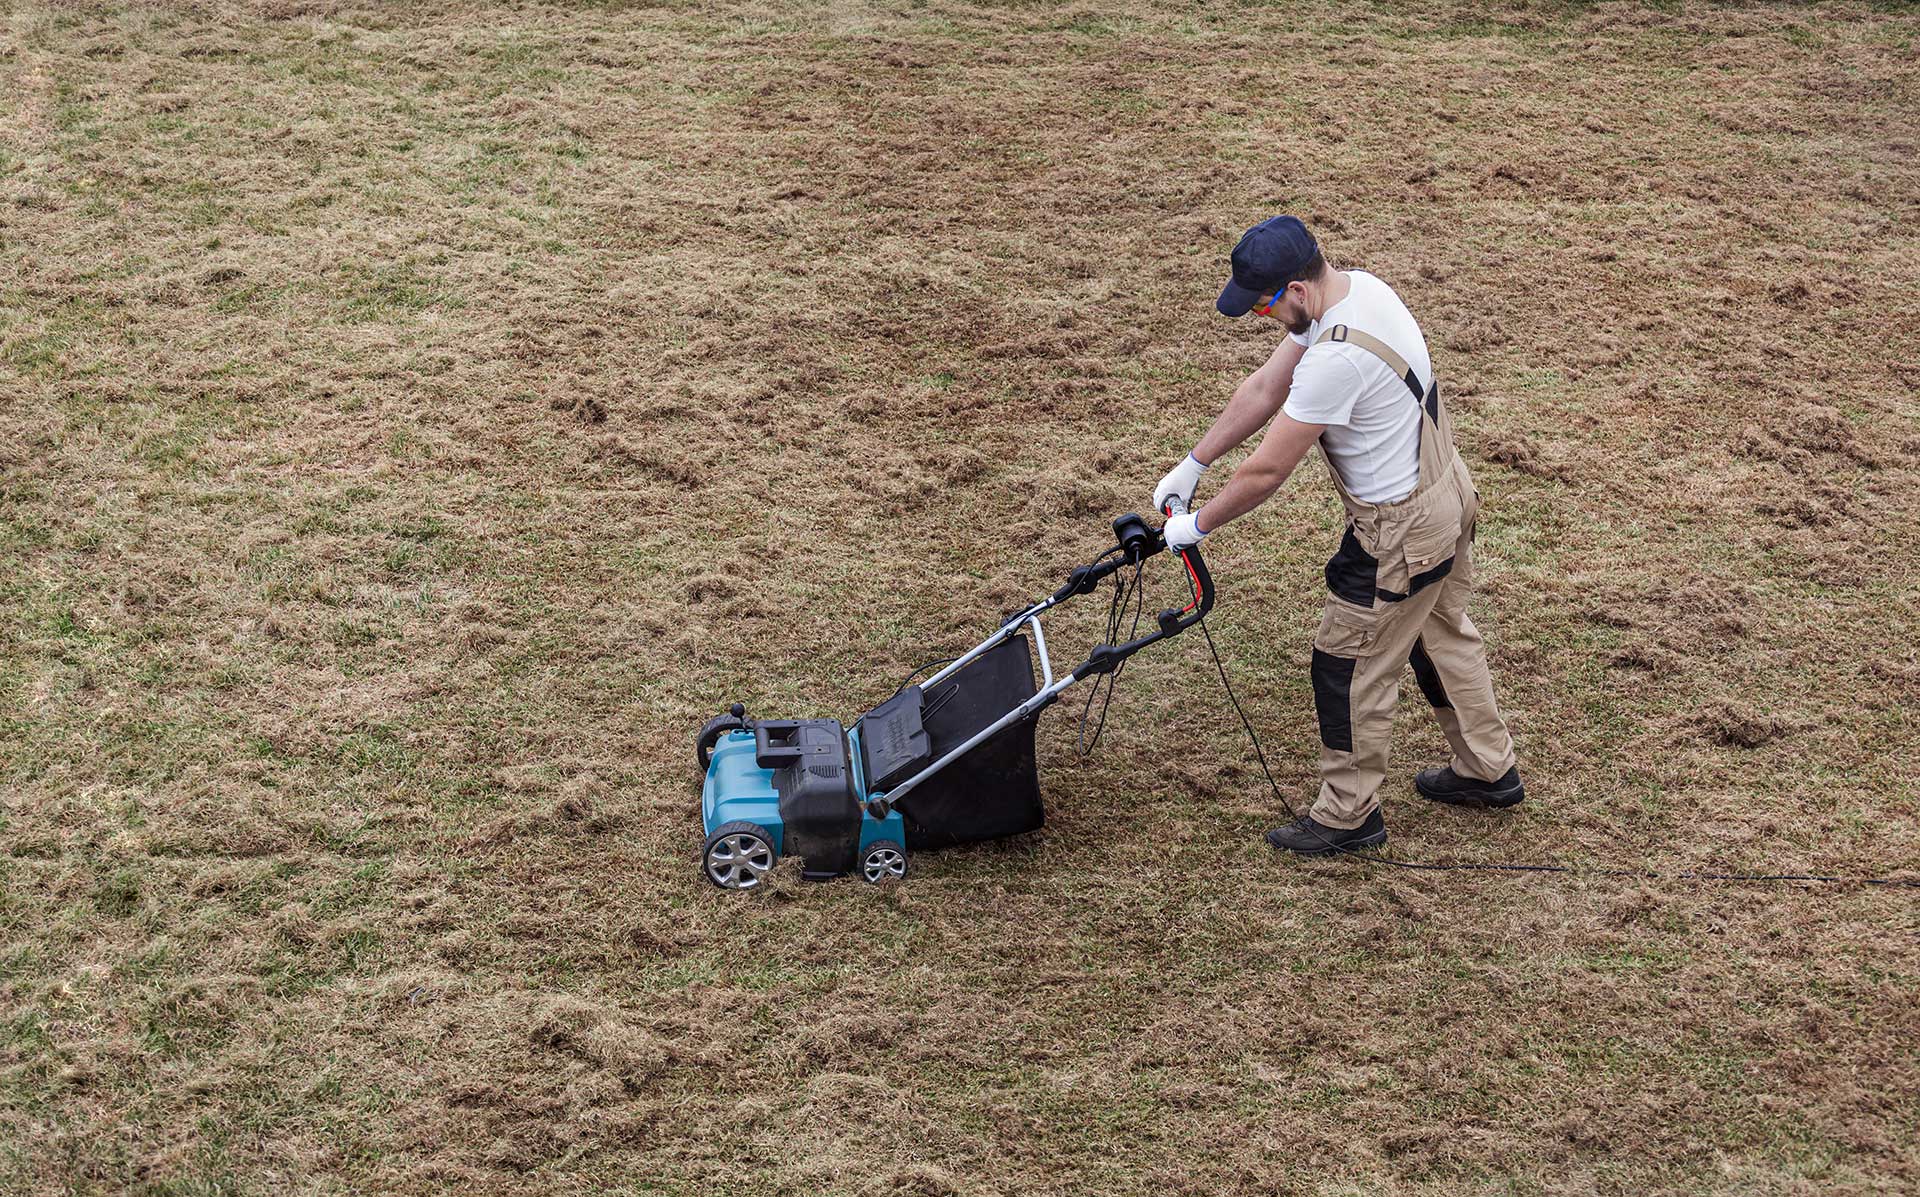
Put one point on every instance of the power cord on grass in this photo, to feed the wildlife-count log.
(1501, 867)
(1129, 588)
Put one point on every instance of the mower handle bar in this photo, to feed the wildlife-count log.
(1137, 542)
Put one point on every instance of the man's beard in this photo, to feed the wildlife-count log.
(1299, 327)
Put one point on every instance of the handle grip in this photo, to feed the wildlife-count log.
(1172, 621)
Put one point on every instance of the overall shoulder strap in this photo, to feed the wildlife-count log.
(1340, 333)
(1435, 450)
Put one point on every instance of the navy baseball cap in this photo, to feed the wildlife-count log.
(1270, 253)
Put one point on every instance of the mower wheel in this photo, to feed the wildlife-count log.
(885, 861)
(739, 855)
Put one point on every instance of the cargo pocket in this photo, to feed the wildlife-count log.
(1430, 552)
(1347, 630)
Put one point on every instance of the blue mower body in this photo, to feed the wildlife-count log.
(798, 783)
(738, 790)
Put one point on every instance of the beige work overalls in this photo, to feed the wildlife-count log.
(1397, 594)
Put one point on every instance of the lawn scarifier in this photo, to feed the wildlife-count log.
(947, 761)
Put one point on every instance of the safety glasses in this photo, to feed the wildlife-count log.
(1266, 309)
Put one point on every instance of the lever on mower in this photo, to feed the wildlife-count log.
(734, 720)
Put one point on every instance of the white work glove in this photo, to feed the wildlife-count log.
(1179, 482)
(1183, 531)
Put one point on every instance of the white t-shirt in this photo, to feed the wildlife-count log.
(1372, 419)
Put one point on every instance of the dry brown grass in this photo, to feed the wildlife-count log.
(416, 419)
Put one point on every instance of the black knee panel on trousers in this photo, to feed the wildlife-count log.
(1333, 699)
(1428, 677)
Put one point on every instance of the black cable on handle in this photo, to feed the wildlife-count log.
(1116, 612)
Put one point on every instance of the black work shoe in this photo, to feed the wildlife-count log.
(1310, 837)
(1444, 785)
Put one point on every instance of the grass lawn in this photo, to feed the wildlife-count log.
(416, 419)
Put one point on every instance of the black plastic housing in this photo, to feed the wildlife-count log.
(817, 806)
(894, 744)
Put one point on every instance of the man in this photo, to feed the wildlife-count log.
(1354, 375)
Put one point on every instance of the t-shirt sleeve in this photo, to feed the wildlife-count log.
(1299, 339)
(1325, 387)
